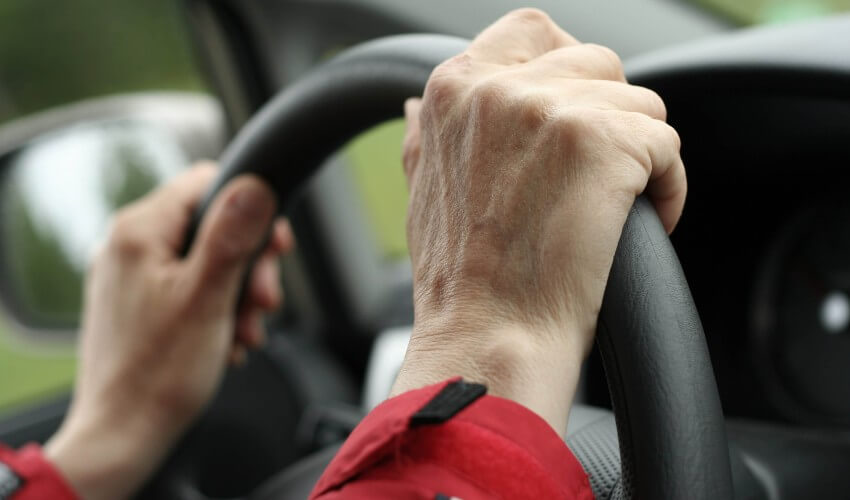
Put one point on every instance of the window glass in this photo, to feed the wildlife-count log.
(51, 222)
(773, 11)
(53, 54)
(30, 371)
(375, 162)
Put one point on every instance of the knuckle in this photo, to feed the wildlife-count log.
(532, 110)
(487, 98)
(607, 59)
(448, 72)
(606, 54)
(637, 130)
(531, 15)
(124, 240)
(655, 103)
(622, 138)
(649, 138)
(573, 125)
(675, 138)
(446, 81)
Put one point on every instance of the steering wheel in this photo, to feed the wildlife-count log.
(669, 422)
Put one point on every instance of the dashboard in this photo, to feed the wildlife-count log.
(763, 239)
(761, 243)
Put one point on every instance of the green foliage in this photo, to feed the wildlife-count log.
(30, 372)
(375, 161)
(773, 11)
(52, 53)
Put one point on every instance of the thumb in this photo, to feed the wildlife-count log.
(412, 140)
(232, 231)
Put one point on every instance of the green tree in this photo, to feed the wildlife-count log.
(52, 53)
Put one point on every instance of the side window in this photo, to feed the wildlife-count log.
(55, 53)
(99, 103)
(747, 12)
(374, 159)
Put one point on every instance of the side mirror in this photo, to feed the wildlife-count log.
(65, 172)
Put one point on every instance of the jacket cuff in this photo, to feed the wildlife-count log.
(26, 474)
(452, 440)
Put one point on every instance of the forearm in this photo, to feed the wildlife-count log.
(106, 459)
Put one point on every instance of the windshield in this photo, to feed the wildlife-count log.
(747, 12)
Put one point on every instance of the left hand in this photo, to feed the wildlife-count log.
(159, 330)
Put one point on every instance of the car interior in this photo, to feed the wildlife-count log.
(745, 314)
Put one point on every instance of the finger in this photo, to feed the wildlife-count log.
(250, 331)
(265, 290)
(519, 37)
(160, 219)
(659, 152)
(177, 200)
(668, 189)
(585, 61)
(412, 145)
(605, 94)
(282, 240)
(230, 233)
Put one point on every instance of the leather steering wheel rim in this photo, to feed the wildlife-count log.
(669, 419)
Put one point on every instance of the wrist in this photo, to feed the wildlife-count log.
(526, 364)
(105, 458)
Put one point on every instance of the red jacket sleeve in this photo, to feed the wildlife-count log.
(27, 475)
(450, 440)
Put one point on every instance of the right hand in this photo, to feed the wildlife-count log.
(523, 159)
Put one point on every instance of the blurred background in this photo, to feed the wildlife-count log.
(61, 59)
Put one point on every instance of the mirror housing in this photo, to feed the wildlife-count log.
(64, 172)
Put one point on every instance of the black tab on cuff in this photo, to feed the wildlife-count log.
(454, 397)
(10, 482)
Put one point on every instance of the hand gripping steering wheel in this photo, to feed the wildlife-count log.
(669, 422)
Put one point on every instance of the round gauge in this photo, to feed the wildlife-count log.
(801, 318)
